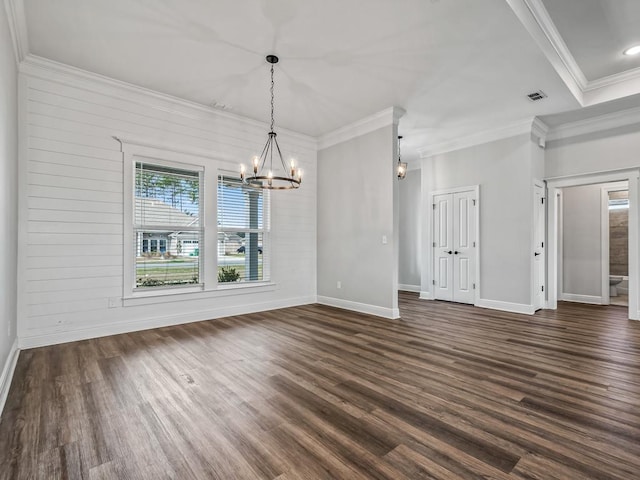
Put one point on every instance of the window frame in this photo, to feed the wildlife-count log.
(177, 156)
(152, 228)
(140, 153)
(265, 231)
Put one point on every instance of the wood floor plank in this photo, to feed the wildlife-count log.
(448, 391)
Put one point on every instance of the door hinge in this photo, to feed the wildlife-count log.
(434, 244)
(474, 286)
(474, 244)
(542, 200)
(543, 288)
(434, 206)
(542, 244)
(474, 202)
(433, 282)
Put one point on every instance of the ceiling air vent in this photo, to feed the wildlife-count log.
(535, 96)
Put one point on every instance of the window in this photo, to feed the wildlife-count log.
(243, 231)
(167, 226)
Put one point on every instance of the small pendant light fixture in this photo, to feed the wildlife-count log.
(402, 166)
(264, 175)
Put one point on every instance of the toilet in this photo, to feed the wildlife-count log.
(614, 281)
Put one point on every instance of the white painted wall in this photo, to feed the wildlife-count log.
(8, 201)
(581, 242)
(410, 255)
(356, 184)
(504, 170)
(71, 225)
(596, 152)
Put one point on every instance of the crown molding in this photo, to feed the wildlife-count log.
(388, 116)
(18, 28)
(538, 23)
(610, 80)
(50, 70)
(542, 17)
(530, 126)
(600, 123)
(536, 19)
(539, 129)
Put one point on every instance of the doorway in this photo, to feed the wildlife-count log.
(615, 243)
(555, 241)
(454, 248)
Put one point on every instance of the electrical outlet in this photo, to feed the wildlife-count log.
(339, 285)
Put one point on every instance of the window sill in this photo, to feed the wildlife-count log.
(195, 293)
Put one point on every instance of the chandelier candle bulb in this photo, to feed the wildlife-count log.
(242, 171)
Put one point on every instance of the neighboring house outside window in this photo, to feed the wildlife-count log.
(167, 226)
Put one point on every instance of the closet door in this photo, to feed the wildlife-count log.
(443, 247)
(454, 244)
(463, 247)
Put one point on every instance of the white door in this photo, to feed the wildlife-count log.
(454, 246)
(463, 247)
(443, 246)
(538, 247)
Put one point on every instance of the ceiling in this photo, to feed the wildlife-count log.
(458, 67)
(597, 32)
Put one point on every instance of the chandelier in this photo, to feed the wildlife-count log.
(402, 166)
(264, 175)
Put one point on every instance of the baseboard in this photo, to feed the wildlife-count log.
(426, 296)
(506, 306)
(409, 288)
(572, 297)
(57, 337)
(7, 374)
(391, 313)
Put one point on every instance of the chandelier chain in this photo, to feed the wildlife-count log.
(272, 84)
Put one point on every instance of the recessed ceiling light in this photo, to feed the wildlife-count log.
(635, 50)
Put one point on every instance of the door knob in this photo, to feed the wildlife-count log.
(456, 252)
(448, 251)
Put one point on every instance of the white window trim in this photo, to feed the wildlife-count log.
(172, 156)
(266, 235)
(134, 154)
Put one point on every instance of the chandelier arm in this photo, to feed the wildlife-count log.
(271, 139)
(284, 167)
(263, 156)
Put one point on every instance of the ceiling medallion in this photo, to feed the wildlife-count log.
(264, 175)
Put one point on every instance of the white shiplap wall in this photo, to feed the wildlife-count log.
(71, 204)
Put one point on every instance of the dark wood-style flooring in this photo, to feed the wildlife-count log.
(313, 392)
